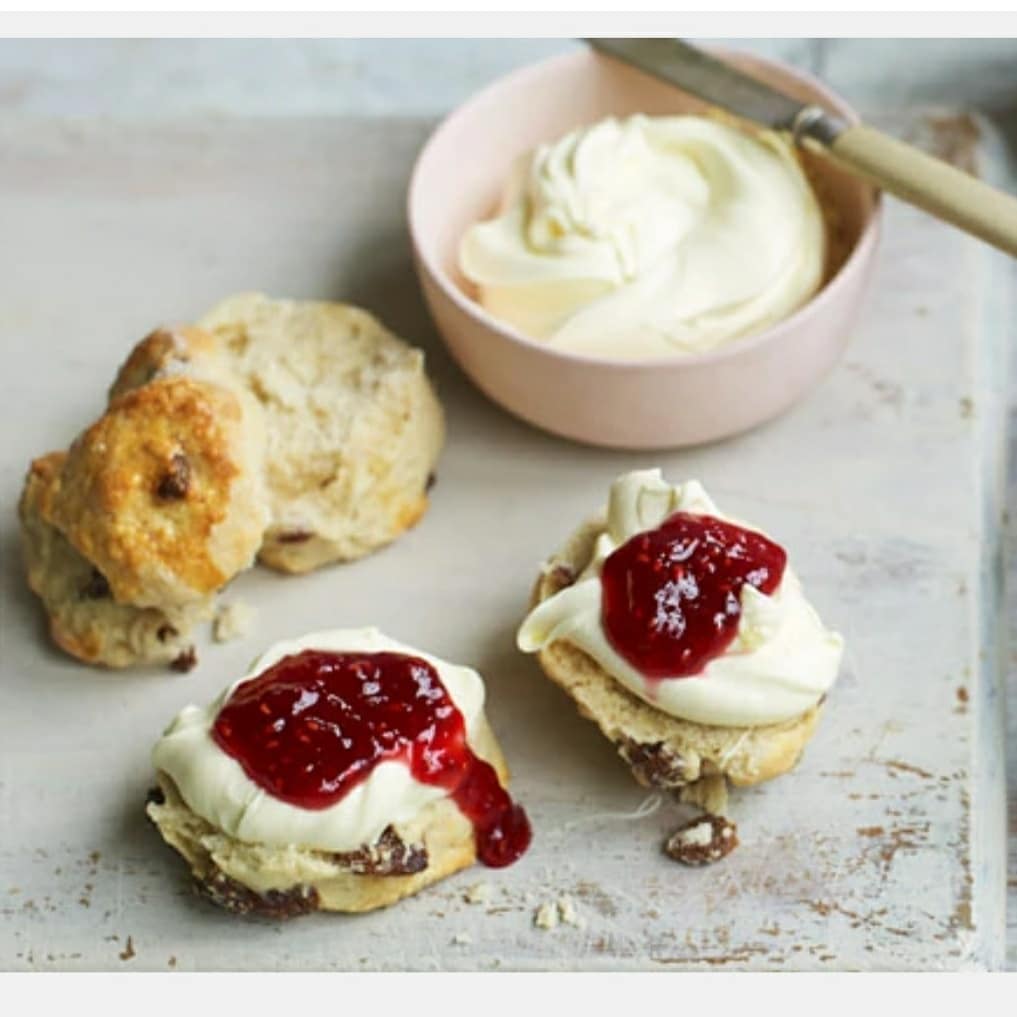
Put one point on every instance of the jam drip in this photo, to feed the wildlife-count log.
(672, 596)
(315, 724)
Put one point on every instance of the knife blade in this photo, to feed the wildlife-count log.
(906, 172)
(695, 71)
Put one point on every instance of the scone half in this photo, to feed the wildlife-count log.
(662, 751)
(686, 637)
(353, 425)
(284, 882)
(257, 841)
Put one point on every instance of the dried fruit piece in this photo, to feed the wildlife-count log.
(389, 855)
(241, 900)
(166, 632)
(185, 661)
(653, 764)
(562, 575)
(96, 587)
(176, 481)
(702, 841)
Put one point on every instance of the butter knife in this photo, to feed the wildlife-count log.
(901, 169)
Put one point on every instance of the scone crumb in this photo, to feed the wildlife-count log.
(462, 939)
(709, 793)
(233, 621)
(479, 893)
(546, 916)
(568, 914)
(702, 841)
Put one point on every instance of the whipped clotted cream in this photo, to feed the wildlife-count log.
(214, 785)
(649, 237)
(780, 663)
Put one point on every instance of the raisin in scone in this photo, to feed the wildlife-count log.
(346, 771)
(686, 638)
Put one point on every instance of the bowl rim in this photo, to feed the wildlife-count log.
(861, 251)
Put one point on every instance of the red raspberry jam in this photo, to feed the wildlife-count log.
(316, 723)
(672, 596)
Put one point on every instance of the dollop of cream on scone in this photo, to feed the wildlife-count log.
(215, 787)
(781, 662)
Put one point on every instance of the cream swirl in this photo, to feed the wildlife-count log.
(780, 663)
(650, 236)
(214, 785)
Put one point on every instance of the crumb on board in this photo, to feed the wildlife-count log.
(568, 914)
(478, 893)
(546, 916)
(553, 913)
(232, 621)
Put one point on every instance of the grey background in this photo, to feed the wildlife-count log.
(171, 79)
(167, 78)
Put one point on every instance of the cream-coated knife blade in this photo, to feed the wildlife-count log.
(720, 84)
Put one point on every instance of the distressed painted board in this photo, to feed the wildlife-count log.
(884, 849)
(1010, 614)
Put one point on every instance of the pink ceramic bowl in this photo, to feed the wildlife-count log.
(638, 404)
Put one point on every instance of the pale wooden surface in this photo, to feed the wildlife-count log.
(879, 852)
(1010, 613)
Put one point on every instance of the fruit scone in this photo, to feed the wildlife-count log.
(344, 772)
(686, 637)
(297, 432)
(129, 534)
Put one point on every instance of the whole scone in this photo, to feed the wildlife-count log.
(354, 428)
(744, 718)
(263, 837)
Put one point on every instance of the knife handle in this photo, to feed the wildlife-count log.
(929, 183)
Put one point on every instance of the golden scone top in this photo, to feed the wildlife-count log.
(182, 345)
(157, 492)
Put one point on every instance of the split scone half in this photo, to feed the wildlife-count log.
(345, 772)
(686, 638)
